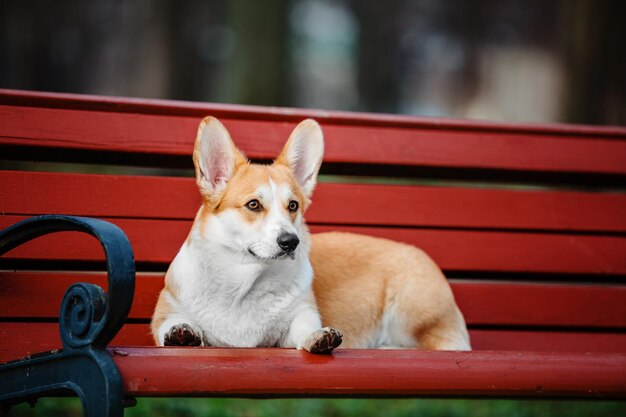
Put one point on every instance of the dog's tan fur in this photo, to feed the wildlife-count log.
(358, 277)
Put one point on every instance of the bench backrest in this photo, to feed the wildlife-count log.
(528, 222)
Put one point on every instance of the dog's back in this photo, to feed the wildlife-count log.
(384, 294)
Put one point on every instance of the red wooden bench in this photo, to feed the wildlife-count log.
(538, 269)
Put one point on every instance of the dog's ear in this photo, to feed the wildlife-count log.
(215, 157)
(303, 154)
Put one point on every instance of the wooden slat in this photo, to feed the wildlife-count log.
(525, 304)
(201, 371)
(237, 111)
(509, 252)
(387, 145)
(165, 372)
(31, 295)
(557, 341)
(153, 241)
(18, 339)
(158, 241)
(467, 208)
(98, 195)
(356, 204)
(77, 129)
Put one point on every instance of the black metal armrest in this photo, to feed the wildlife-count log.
(88, 321)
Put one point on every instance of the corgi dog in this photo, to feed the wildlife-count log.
(250, 274)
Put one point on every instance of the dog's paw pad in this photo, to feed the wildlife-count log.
(182, 335)
(325, 340)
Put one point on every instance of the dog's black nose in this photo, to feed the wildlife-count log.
(288, 242)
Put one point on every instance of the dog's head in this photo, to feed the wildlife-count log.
(256, 209)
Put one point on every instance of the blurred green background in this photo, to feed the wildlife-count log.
(197, 407)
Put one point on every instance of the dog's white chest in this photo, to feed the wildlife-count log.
(246, 305)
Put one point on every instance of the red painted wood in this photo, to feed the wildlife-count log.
(158, 241)
(357, 204)
(38, 295)
(153, 241)
(98, 195)
(78, 129)
(17, 339)
(249, 372)
(345, 143)
(32, 295)
(513, 252)
(467, 208)
(171, 371)
(526, 304)
(557, 341)
(199, 109)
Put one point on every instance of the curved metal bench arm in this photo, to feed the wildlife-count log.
(89, 319)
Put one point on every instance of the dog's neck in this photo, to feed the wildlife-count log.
(236, 274)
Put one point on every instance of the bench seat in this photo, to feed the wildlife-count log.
(527, 222)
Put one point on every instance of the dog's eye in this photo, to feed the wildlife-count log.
(253, 205)
(293, 206)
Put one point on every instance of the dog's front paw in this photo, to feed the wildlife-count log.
(323, 340)
(182, 335)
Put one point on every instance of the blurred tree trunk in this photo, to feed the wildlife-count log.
(197, 44)
(378, 54)
(257, 72)
(593, 33)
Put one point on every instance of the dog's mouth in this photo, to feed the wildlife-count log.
(291, 255)
(280, 255)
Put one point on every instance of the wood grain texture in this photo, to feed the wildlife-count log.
(380, 373)
(158, 241)
(36, 295)
(284, 372)
(236, 111)
(355, 204)
(344, 143)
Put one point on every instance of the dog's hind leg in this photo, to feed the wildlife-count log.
(447, 334)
